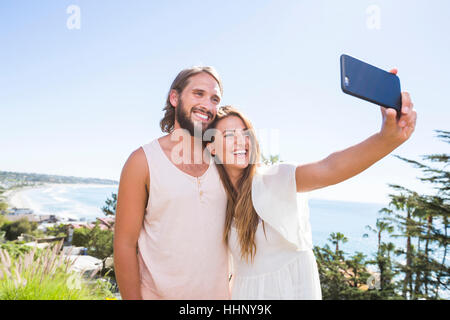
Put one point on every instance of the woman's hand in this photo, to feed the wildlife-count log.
(396, 131)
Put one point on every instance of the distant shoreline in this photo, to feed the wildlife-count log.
(350, 201)
(14, 199)
(12, 196)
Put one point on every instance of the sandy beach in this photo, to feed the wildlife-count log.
(16, 199)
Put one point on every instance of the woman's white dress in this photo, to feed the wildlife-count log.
(284, 266)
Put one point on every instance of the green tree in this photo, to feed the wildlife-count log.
(335, 238)
(109, 209)
(99, 243)
(332, 280)
(383, 255)
(3, 220)
(356, 270)
(3, 204)
(340, 278)
(16, 228)
(3, 207)
(381, 226)
(59, 230)
(272, 159)
(422, 220)
(80, 237)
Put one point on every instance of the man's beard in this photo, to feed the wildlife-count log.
(185, 121)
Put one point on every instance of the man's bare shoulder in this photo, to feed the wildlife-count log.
(138, 158)
(136, 165)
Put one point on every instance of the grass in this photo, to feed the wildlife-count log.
(47, 276)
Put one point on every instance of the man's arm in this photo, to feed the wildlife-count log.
(131, 204)
(342, 165)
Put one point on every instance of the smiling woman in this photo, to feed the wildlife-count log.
(236, 156)
(270, 245)
(266, 228)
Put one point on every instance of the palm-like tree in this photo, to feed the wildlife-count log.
(272, 159)
(381, 226)
(335, 238)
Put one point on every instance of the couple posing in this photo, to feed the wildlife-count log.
(182, 226)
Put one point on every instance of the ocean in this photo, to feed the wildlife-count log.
(71, 201)
(350, 219)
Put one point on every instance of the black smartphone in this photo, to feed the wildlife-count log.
(370, 83)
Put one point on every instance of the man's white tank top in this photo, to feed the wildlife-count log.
(181, 251)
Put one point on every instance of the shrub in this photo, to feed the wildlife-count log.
(46, 276)
(16, 250)
(59, 230)
(16, 228)
(3, 206)
(99, 243)
(80, 237)
(3, 220)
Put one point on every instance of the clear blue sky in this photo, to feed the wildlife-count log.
(78, 102)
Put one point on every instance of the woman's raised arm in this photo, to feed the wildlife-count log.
(342, 165)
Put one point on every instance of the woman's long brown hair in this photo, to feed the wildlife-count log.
(239, 201)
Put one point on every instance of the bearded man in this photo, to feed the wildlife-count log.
(171, 204)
